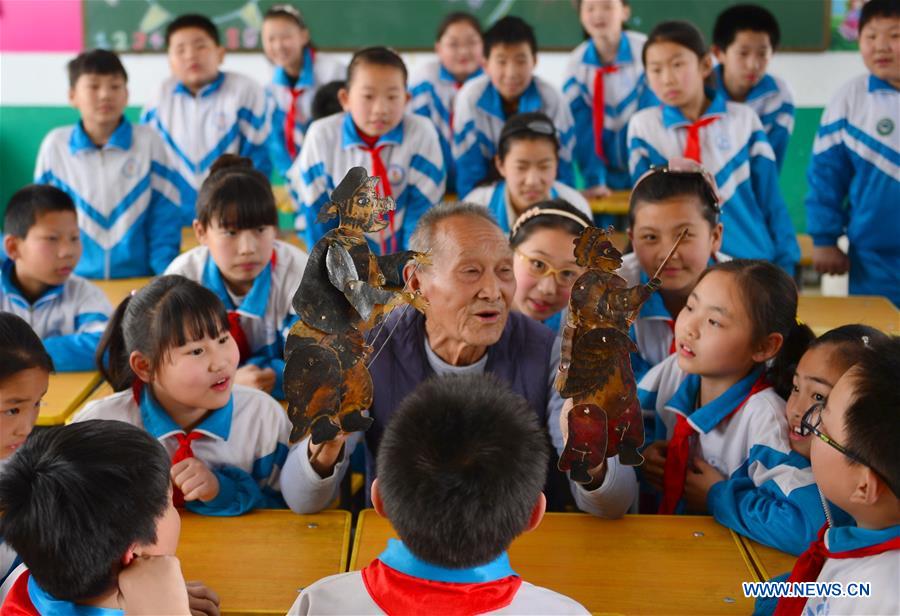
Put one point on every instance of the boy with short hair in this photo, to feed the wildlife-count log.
(89, 509)
(509, 87)
(744, 38)
(42, 240)
(455, 508)
(202, 112)
(118, 174)
(855, 463)
(374, 132)
(854, 174)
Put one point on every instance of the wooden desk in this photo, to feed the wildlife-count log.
(638, 564)
(824, 313)
(118, 289)
(767, 562)
(259, 562)
(66, 392)
(616, 203)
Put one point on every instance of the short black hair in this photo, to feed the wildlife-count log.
(95, 62)
(325, 101)
(236, 195)
(874, 9)
(192, 20)
(20, 348)
(458, 17)
(75, 497)
(460, 468)
(530, 126)
(872, 420)
(379, 56)
(662, 185)
(742, 18)
(680, 32)
(30, 203)
(510, 30)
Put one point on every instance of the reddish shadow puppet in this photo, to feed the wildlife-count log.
(595, 363)
(345, 291)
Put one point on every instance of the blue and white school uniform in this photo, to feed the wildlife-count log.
(126, 193)
(433, 89)
(244, 444)
(398, 582)
(69, 318)
(735, 150)
(856, 159)
(411, 155)
(266, 313)
(479, 118)
(27, 597)
(227, 116)
(317, 71)
(625, 92)
(495, 197)
(773, 102)
(769, 495)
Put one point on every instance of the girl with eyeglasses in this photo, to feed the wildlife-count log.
(527, 160)
(545, 269)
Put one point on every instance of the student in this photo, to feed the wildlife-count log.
(89, 508)
(483, 105)
(855, 463)
(299, 73)
(25, 369)
(43, 243)
(202, 112)
(527, 160)
(744, 38)
(725, 137)
(604, 85)
(172, 363)
(665, 202)
(455, 509)
(373, 132)
(252, 273)
(543, 239)
(856, 158)
(724, 422)
(434, 83)
(118, 174)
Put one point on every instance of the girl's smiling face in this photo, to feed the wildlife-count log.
(816, 374)
(538, 295)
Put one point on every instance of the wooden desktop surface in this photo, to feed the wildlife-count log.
(824, 313)
(118, 289)
(65, 393)
(768, 562)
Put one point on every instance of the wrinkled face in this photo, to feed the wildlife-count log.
(50, 250)
(240, 254)
(603, 18)
(816, 374)
(283, 43)
(471, 284)
(20, 403)
(745, 61)
(675, 73)
(194, 57)
(831, 468)
(658, 225)
(100, 99)
(538, 294)
(510, 68)
(376, 98)
(460, 50)
(713, 333)
(879, 44)
(529, 169)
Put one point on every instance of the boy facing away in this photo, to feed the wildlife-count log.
(460, 471)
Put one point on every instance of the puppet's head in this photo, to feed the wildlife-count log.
(357, 203)
(594, 250)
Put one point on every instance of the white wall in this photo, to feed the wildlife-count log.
(39, 79)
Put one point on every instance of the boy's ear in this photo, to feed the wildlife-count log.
(344, 98)
(72, 96)
(869, 486)
(199, 232)
(220, 54)
(377, 503)
(719, 53)
(537, 513)
(11, 246)
(139, 365)
(768, 348)
(129, 555)
(408, 96)
(706, 65)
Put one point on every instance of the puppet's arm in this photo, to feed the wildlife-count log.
(343, 275)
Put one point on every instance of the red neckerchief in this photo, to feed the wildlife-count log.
(234, 325)
(292, 114)
(599, 108)
(399, 593)
(17, 602)
(809, 566)
(679, 452)
(384, 186)
(692, 147)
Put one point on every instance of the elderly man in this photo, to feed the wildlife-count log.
(467, 327)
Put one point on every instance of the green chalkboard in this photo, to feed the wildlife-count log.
(138, 25)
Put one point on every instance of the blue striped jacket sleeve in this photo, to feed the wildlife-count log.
(764, 175)
(238, 493)
(829, 175)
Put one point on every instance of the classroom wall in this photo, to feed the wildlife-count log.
(34, 99)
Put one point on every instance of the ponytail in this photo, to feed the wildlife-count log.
(112, 357)
(781, 370)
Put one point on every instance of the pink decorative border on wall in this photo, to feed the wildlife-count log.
(41, 25)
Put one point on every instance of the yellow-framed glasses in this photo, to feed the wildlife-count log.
(539, 268)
